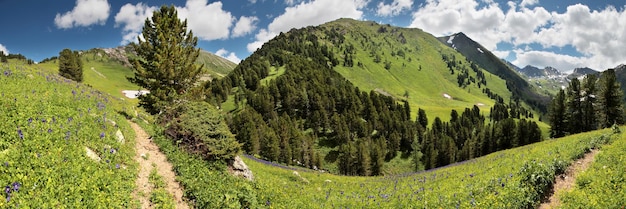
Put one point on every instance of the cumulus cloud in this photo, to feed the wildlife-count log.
(308, 13)
(599, 34)
(244, 26)
(528, 3)
(393, 9)
(228, 55)
(208, 21)
(4, 49)
(85, 13)
(544, 59)
(133, 18)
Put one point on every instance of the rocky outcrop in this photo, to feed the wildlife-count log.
(239, 168)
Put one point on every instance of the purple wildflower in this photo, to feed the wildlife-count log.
(8, 197)
(16, 186)
(117, 166)
(112, 151)
(7, 189)
(102, 135)
(30, 120)
(43, 120)
(49, 130)
(19, 132)
(67, 135)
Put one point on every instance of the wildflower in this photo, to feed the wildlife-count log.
(16, 186)
(102, 135)
(19, 132)
(117, 166)
(43, 120)
(30, 120)
(8, 197)
(67, 135)
(267, 203)
(112, 151)
(49, 130)
(7, 189)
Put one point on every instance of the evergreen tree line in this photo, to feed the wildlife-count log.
(468, 136)
(4, 58)
(587, 105)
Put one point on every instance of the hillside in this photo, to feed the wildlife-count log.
(107, 69)
(482, 57)
(62, 143)
(318, 96)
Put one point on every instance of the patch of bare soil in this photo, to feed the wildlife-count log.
(566, 181)
(148, 154)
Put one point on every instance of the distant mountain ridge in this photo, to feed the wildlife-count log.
(478, 54)
(578, 72)
(532, 71)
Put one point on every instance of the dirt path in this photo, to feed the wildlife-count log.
(147, 154)
(566, 181)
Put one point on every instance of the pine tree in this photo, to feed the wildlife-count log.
(165, 64)
(557, 116)
(70, 65)
(422, 119)
(416, 156)
(610, 110)
(588, 101)
(3, 57)
(574, 111)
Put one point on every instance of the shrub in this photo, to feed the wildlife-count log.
(201, 129)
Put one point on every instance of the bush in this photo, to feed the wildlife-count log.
(201, 129)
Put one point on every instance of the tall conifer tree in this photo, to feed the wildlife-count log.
(165, 64)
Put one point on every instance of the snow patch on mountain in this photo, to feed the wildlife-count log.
(481, 51)
(451, 39)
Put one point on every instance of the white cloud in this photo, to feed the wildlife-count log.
(133, 18)
(244, 26)
(85, 13)
(207, 21)
(308, 13)
(528, 3)
(543, 59)
(444, 17)
(4, 49)
(599, 34)
(393, 9)
(228, 55)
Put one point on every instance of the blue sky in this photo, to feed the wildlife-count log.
(563, 34)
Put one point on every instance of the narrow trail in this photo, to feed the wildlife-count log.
(566, 181)
(147, 154)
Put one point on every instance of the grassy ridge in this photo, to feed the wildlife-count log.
(422, 72)
(48, 124)
(102, 73)
(604, 183)
(492, 181)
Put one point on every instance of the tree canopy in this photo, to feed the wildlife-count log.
(166, 56)
(70, 65)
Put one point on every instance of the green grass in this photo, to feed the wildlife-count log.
(102, 73)
(603, 184)
(48, 123)
(492, 181)
(426, 87)
(216, 66)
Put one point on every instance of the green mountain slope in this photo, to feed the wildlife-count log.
(59, 144)
(401, 61)
(322, 95)
(476, 53)
(107, 69)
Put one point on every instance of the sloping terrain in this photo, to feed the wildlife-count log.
(482, 57)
